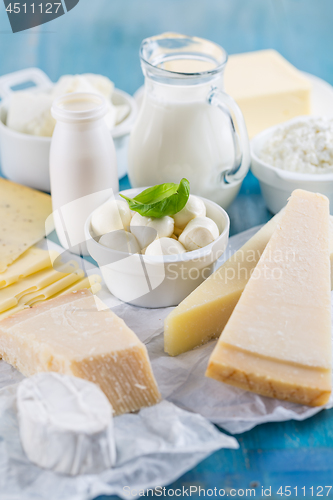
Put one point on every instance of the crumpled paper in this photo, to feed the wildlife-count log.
(150, 451)
(154, 448)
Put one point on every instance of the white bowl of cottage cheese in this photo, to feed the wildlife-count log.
(295, 154)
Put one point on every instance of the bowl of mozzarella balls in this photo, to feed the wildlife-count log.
(155, 245)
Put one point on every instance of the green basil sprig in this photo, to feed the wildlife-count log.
(160, 200)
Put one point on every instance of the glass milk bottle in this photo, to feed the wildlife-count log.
(187, 123)
(83, 168)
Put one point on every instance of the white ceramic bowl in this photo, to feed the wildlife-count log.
(25, 158)
(158, 281)
(277, 184)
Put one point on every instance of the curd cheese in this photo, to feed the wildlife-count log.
(305, 146)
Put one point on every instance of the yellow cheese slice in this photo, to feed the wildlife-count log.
(52, 289)
(23, 212)
(267, 88)
(205, 312)
(91, 283)
(10, 295)
(278, 340)
(30, 262)
(70, 335)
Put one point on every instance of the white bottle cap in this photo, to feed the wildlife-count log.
(78, 107)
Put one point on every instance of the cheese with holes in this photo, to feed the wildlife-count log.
(39, 283)
(268, 89)
(277, 342)
(33, 260)
(23, 213)
(53, 289)
(205, 312)
(91, 283)
(72, 334)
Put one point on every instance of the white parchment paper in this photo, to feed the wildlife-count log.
(159, 444)
(154, 447)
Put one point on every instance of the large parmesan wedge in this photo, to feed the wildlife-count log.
(70, 335)
(205, 312)
(23, 212)
(278, 340)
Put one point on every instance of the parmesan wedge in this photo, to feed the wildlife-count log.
(278, 339)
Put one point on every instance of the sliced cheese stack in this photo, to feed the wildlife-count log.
(205, 312)
(32, 279)
(70, 335)
(278, 340)
(30, 262)
(65, 424)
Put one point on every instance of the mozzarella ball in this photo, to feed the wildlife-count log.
(112, 215)
(198, 233)
(120, 240)
(165, 246)
(194, 207)
(147, 229)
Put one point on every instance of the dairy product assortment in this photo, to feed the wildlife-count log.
(268, 304)
(304, 146)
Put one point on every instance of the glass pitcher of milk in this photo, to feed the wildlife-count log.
(188, 126)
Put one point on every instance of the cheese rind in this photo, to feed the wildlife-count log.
(268, 89)
(278, 340)
(205, 312)
(70, 335)
(23, 213)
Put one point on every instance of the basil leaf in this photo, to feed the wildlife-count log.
(160, 200)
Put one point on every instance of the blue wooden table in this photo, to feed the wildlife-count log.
(103, 36)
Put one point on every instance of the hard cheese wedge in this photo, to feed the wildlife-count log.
(278, 340)
(267, 88)
(205, 312)
(23, 212)
(70, 335)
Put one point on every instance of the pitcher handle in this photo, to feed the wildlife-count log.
(228, 106)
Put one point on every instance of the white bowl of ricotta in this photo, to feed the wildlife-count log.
(158, 280)
(295, 154)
